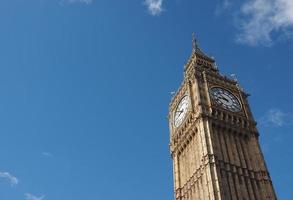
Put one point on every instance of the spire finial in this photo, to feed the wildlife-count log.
(194, 42)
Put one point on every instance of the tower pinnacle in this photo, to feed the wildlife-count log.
(194, 42)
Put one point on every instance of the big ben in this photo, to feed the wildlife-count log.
(214, 142)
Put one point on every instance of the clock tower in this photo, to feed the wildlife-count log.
(214, 141)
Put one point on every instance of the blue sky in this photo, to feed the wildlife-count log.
(85, 87)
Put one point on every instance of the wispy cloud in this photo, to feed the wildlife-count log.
(29, 196)
(261, 19)
(155, 7)
(12, 179)
(276, 118)
(77, 1)
(47, 154)
(225, 5)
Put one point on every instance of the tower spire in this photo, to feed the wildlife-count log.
(196, 50)
(194, 42)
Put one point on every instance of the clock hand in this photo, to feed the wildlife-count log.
(180, 112)
(221, 97)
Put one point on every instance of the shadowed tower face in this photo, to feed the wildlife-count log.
(213, 138)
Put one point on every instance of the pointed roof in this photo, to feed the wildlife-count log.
(198, 51)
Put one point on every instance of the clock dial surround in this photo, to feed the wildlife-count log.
(181, 111)
(225, 99)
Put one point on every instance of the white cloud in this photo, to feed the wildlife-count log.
(47, 154)
(77, 1)
(260, 19)
(29, 196)
(154, 6)
(12, 179)
(277, 118)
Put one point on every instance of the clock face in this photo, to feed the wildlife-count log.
(181, 111)
(225, 99)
